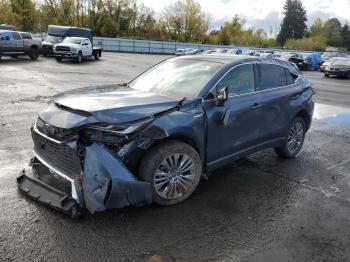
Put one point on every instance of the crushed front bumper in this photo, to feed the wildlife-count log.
(102, 182)
(45, 193)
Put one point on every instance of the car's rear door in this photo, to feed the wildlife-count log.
(233, 126)
(278, 97)
(17, 43)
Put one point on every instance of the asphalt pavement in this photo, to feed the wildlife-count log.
(261, 208)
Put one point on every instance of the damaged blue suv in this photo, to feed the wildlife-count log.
(152, 139)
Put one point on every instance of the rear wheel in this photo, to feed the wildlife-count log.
(33, 53)
(97, 56)
(44, 54)
(295, 139)
(326, 75)
(173, 169)
(58, 58)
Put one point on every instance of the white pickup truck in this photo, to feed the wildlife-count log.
(76, 48)
(13, 43)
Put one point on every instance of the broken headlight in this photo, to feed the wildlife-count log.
(114, 134)
(121, 130)
(114, 137)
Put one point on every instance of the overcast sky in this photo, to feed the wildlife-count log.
(263, 13)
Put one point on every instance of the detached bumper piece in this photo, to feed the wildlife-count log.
(47, 195)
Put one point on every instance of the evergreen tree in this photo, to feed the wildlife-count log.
(345, 33)
(333, 29)
(293, 24)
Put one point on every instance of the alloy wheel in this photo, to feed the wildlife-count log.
(295, 137)
(175, 176)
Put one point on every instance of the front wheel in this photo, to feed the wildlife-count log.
(97, 56)
(173, 169)
(58, 58)
(79, 58)
(295, 139)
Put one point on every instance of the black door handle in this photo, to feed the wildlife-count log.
(255, 106)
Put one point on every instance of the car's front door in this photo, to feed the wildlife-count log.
(233, 126)
(87, 48)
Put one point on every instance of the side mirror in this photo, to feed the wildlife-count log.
(85, 44)
(221, 95)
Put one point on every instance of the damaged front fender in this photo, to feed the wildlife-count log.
(107, 183)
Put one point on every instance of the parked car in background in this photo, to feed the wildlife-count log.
(56, 34)
(14, 44)
(229, 51)
(340, 66)
(77, 49)
(152, 139)
(219, 51)
(328, 55)
(328, 63)
(264, 55)
(304, 61)
(8, 27)
(187, 51)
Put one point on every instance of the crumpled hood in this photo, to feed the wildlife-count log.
(107, 104)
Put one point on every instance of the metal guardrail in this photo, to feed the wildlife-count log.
(144, 46)
(162, 47)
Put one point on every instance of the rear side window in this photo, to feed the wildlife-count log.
(291, 78)
(16, 36)
(26, 36)
(239, 80)
(271, 76)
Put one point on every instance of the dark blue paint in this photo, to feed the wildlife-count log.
(220, 132)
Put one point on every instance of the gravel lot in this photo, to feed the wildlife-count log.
(261, 208)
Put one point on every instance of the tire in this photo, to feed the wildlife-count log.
(79, 58)
(97, 56)
(326, 75)
(44, 54)
(58, 59)
(295, 139)
(347, 76)
(173, 187)
(0, 55)
(33, 53)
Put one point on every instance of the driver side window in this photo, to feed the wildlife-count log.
(239, 80)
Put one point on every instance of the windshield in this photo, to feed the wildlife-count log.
(330, 54)
(71, 40)
(53, 39)
(178, 78)
(345, 62)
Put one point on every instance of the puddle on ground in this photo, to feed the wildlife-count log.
(332, 114)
